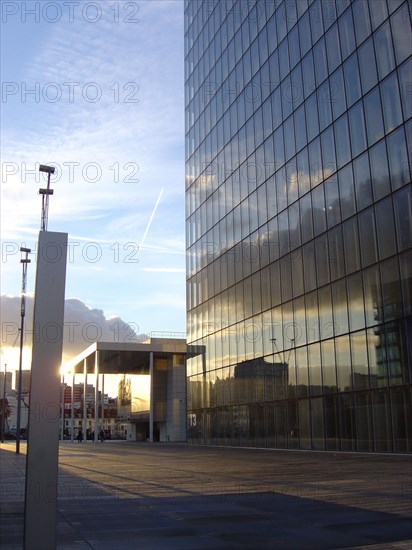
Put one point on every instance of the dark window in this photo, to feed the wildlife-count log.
(367, 66)
(351, 242)
(374, 120)
(357, 129)
(363, 188)
(361, 20)
(379, 170)
(401, 33)
(392, 112)
(337, 93)
(347, 34)
(403, 217)
(386, 228)
(368, 237)
(342, 141)
(383, 45)
(347, 192)
(352, 79)
(333, 48)
(398, 159)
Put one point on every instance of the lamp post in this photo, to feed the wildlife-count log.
(45, 193)
(24, 261)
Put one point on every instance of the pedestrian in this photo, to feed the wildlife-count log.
(102, 438)
(79, 436)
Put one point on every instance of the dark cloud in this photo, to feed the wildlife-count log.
(82, 325)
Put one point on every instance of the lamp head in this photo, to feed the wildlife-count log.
(47, 169)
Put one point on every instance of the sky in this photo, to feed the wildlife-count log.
(95, 89)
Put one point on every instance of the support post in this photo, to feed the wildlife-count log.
(102, 402)
(85, 402)
(204, 395)
(151, 370)
(44, 418)
(62, 408)
(72, 410)
(96, 396)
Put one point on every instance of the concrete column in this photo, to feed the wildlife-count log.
(96, 396)
(62, 407)
(85, 402)
(72, 410)
(204, 394)
(151, 370)
(102, 403)
(44, 419)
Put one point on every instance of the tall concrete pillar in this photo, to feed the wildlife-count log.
(44, 414)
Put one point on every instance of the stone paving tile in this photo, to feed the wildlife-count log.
(125, 495)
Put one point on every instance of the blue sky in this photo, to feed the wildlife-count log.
(96, 89)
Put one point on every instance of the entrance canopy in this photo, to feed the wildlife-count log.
(164, 359)
(125, 358)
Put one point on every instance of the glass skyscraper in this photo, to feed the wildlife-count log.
(299, 223)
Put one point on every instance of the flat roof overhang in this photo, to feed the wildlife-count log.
(124, 358)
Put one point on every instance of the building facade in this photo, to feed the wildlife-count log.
(299, 223)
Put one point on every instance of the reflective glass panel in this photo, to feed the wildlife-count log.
(343, 363)
(363, 187)
(379, 170)
(361, 20)
(343, 152)
(325, 312)
(372, 295)
(332, 201)
(405, 72)
(374, 120)
(369, 75)
(328, 366)
(336, 255)
(368, 237)
(355, 302)
(398, 159)
(347, 34)
(359, 360)
(392, 112)
(340, 307)
(352, 79)
(357, 129)
(383, 44)
(385, 228)
(391, 306)
(351, 241)
(403, 217)
(401, 33)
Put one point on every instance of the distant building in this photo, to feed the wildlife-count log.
(8, 376)
(25, 381)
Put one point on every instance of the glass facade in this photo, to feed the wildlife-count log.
(299, 223)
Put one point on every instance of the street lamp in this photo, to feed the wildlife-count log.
(24, 261)
(45, 193)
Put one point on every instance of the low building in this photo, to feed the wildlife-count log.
(164, 359)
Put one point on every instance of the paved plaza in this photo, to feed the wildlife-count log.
(118, 495)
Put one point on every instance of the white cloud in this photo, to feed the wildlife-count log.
(83, 325)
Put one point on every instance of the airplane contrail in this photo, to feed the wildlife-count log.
(151, 217)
